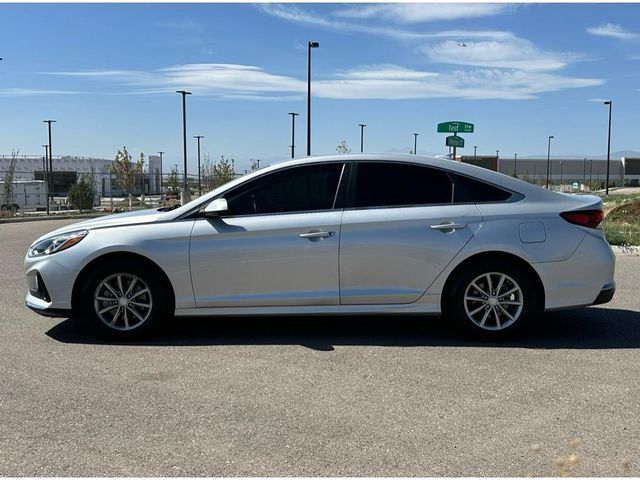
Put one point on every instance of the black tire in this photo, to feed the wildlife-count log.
(126, 313)
(495, 316)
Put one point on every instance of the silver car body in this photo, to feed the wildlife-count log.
(374, 260)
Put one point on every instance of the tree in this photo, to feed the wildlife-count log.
(81, 194)
(126, 172)
(7, 194)
(343, 147)
(216, 174)
(172, 180)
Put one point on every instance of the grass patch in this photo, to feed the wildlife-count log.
(622, 223)
(618, 199)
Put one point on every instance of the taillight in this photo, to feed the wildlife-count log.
(585, 218)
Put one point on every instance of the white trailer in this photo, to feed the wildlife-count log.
(26, 194)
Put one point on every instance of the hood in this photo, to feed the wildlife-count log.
(117, 219)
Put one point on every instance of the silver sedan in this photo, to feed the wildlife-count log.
(345, 234)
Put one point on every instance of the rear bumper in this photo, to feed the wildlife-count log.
(585, 278)
(606, 294)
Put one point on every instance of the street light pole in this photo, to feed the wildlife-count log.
(50, 185)
(45, 176)
(475, 149)
(560, 175)
(415, 143)
(361, 125)
(610, 103)
(293, 134)
(185, 191)
(161, 154)
(498, 161)
(590, 172)
(310, 45)
(549, 159)
(515, 165)
(199, 184)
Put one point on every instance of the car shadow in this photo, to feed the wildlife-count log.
(585, 328)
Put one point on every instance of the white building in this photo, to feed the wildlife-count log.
(67, 169)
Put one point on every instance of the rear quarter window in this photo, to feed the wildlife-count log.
(470, 190)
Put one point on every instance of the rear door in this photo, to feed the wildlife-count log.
(399, 231)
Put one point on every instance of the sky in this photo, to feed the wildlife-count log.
(107, 73)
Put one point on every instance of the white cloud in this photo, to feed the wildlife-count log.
(293, 13)
(469, 84)
(512, 53)
(423, 12)
(371, 82)
(28, 92)
(381, 72)
(296, 14)
(613, 30)
(217, 79)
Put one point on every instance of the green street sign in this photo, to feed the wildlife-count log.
(455, 141)
(455, 127)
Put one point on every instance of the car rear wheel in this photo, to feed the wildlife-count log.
(124, 301)
(492, 300)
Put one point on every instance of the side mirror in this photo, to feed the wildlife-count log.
(216, 208)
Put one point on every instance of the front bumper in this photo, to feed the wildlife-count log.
(50, 281)
(43, 307)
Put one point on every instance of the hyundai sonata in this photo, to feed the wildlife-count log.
(345, 234)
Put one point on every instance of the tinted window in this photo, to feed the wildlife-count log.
(393, 184)
(296, 189)
(469, 190)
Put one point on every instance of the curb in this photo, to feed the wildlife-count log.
(626, 250)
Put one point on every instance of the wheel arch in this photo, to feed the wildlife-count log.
(492, 256)
(113, 257)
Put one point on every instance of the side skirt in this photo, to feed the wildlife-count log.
(431, 308)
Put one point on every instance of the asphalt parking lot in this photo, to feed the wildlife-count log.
(318, 396)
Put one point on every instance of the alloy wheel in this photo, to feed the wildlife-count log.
(123, 301)
(493, 301)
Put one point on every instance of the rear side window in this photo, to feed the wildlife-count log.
(470, 190)
(379, 184)
(298, 189)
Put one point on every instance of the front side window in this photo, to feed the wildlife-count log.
(380, 184)
(297, 189)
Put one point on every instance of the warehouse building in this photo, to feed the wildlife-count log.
(561, 171)
(67, 170)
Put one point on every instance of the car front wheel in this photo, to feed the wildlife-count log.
(491, 301)
(123, 301)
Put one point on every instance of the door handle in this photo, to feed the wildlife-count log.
(316, 235)
(450, 226)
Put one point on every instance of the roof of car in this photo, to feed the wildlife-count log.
(474, 171)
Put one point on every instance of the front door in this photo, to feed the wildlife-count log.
(277, 246)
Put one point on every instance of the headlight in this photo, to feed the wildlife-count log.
(57, 244)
